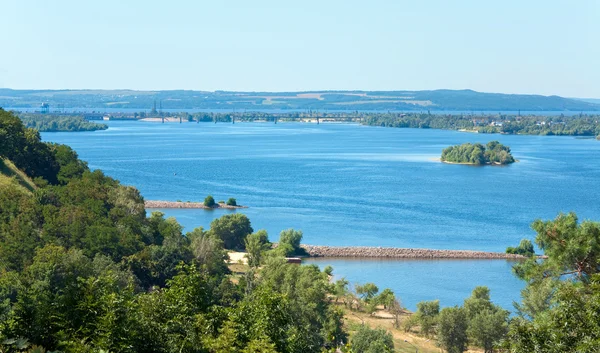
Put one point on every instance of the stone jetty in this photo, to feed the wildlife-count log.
(180, 204)
(402, 253)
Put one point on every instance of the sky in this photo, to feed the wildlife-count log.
(549, 47)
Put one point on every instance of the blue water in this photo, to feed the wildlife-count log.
(346, 184)
(415, 280)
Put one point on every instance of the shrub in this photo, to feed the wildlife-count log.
(209, 201)
(367, 340)
(231, 202)
(525, 248)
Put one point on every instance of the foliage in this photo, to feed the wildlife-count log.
(572, 248)
(561, 301)
(367, 291)
(582, 125)
(232, 229)
(52, 123)
(289, 243)
(487, 323)
(570, 325)
(256, 245)
(452, 329)
(84, 270)
(525, 248)
(427, 314)
(368, 340)
(231, 202)
(209, 201)
(492, 153)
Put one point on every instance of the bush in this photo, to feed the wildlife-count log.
(367, 340)
(209, 201)
(231, 202)
(232, 230)
(525, 248)
(289, 243)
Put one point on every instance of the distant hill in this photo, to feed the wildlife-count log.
(461, 100)
(589, 100)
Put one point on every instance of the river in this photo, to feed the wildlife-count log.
(346, 184)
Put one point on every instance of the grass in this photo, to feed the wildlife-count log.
(9, 173)
(353, 319)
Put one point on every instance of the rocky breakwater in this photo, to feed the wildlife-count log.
(180, 204)
(402, 253)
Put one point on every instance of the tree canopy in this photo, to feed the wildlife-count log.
(492, 153)
(85, 270)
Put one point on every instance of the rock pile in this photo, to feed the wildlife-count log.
(403, 253)
(179, 204)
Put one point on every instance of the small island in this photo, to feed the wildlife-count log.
(493, 153)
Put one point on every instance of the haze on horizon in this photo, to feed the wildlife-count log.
(534, 47)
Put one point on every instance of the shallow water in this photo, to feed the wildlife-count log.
(345, 184)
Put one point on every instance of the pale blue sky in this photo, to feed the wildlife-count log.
(526, 46)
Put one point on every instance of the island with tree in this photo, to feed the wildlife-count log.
(493, 153)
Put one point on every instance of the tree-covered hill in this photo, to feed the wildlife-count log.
(83, 269)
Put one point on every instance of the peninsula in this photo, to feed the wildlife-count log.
(187, 204)
(477, 154)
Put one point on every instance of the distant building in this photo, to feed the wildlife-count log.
(45, 108)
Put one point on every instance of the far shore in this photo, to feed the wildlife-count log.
(180, 204)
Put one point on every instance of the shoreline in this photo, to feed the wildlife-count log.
(475, 164)
(403, 253)
(181, 204)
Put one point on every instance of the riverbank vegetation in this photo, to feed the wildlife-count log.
(54, 123)
(84, 269)
(561, 125)
(492, 153)
(580, 125)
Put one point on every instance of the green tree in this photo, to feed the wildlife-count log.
(368, 340)
(452, 329)
(256, 245)
(487, 323)
(232, 229)
(427, 313)
(367, 291)
(525, 248)
(561, 301)
(488, 328)
(231, 202)
(570, 325)
(209, 201)
(208, 251)
(289, 243)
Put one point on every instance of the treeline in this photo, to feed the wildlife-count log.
(84, 270)
(52, 123)
(492, 153)
(583, 125)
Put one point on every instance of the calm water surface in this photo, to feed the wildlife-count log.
(345, 184)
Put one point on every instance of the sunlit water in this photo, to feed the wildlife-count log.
(345, 184)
